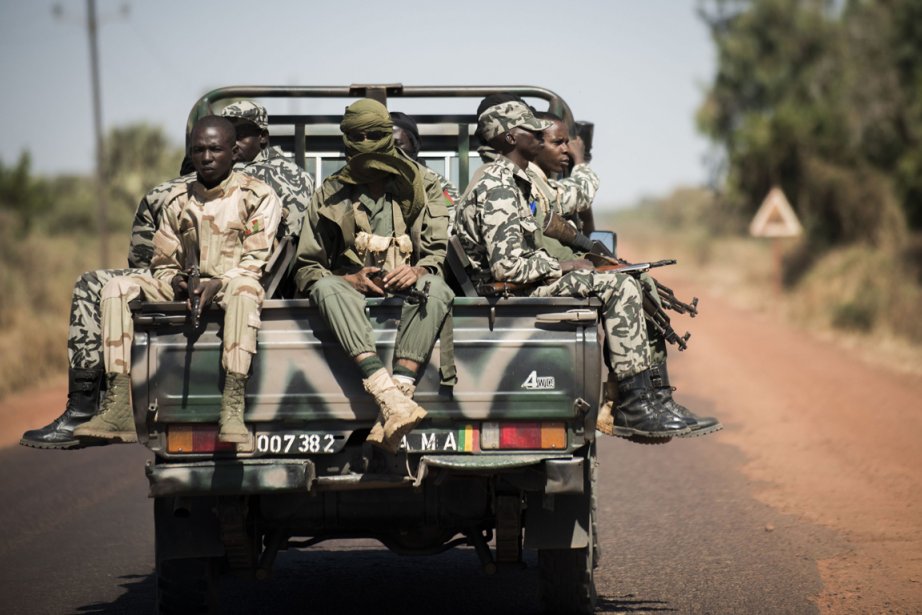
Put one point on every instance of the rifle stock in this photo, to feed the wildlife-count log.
(411, 295)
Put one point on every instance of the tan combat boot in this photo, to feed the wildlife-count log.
(400, 413)
(376, 435)
(232, 427)
(115, 421)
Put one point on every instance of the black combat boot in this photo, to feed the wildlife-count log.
(82, 399)
(699, 425)
(638, 412)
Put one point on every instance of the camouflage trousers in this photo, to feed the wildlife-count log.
(343, 308)
(84, 336)
(657, 341)
(623, 320)
(241, 300)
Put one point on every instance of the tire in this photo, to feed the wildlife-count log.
(186, 586)
(567, 579)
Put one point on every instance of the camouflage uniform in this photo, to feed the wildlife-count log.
(84, 338)
(293, 185)
(338, 214)
(233, 226)
(499, 233)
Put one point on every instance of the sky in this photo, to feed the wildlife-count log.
(637, 69)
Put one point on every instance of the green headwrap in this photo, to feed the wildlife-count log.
(369, 161)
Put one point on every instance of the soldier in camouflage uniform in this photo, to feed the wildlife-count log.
(230, 220)
(257, 158)
(495, 222)
(570, 196)
(378, 215)
(84, 341)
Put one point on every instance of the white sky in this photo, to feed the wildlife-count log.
(637, 69)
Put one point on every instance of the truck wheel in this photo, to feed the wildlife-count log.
(567, 579)
(186, 586)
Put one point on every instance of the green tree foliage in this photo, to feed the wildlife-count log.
(822, 99)
(23, 198)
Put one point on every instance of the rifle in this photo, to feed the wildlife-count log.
(557, 228)
(410, 295)
(193, 280)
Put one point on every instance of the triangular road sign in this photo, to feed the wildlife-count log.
(775, 217)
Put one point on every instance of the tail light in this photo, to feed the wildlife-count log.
(195, 439)
(521, 436)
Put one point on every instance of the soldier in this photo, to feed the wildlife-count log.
(378, 215)
(496, 225)
(231, 220)
(406, 137)
(568, 197)
(84, 341)
(292, 185)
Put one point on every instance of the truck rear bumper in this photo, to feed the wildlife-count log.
(562, 474)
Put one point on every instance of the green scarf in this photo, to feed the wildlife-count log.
(369, 161)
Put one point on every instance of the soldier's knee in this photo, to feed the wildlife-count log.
(438, 288)
(121, 286)
(244, 288)
(331, 285)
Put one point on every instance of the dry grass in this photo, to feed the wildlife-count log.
(36, 281)
(865, 299)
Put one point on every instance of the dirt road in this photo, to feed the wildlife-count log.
(828, 440)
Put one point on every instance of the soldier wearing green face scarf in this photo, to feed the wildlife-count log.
(380, 215)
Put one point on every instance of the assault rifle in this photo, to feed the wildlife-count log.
(193, 281)
(557, 228)
(410, 295)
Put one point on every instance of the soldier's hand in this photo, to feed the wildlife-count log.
(206, 291)
(577, 150)
(574, 265)
(361, 281)
(180, 286)
(403, 277)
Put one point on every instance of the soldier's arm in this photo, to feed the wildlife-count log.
(141, 248)
(510, 258)
(313, 258)
(433, 237)
(261, 225)
(168, 253)
(576, 193)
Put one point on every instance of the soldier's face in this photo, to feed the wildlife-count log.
(404, 141)
(528, 143)
(553, 157)
(250, 141)
(212, 152)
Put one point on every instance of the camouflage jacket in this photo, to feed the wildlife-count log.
(293, 186)
(146, 220)
(547, 200)
(233, 226)
(574, 193)
(498, 230)
(329, 248)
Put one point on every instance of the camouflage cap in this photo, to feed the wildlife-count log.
(505, 116)
(248, 110)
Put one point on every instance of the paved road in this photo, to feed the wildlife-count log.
(680, 533)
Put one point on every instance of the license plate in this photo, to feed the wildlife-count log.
(463, 440)
(300, 442)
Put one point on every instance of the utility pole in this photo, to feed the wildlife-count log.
(102, 184)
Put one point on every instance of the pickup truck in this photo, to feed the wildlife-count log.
(504, 462)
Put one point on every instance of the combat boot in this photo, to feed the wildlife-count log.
(699, 425)
(639, 414)
(400, 413)
(115, 421)
(376, 435)
(232, 427)
(82, 399)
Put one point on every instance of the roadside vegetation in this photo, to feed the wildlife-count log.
(49, 236)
